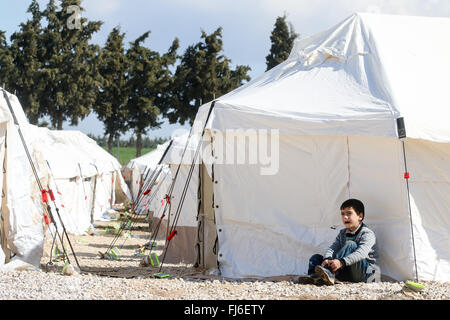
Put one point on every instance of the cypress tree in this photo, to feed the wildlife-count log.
(113, 94)
(148, 84)
(6, 61)
(282, 39)
(26, 52)
(70, 72)
(203, 73)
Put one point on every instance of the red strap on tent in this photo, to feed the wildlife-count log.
(85, 197)
(145, 207)
(171, 235)
(167, 198)
(147, 192)
(59, 193)
(62, 205)
(112, 180)
(406, 175)
(44, 196)
(52, 197)
(47, 219)
(132, 207)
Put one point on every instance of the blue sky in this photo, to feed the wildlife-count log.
(246, 25)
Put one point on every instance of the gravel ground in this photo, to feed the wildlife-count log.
(35, 285)
(127, 280)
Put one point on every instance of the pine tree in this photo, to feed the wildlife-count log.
(113, 94)
(70, 72)
(26, 52)
(282, 39)
(202, 75)
(149, 82)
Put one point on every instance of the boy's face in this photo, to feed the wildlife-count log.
(350, 218)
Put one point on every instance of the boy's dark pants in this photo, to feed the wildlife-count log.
(354, 273)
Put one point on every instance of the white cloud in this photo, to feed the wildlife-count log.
(101, 8)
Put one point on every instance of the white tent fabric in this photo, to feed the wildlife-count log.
(67, 163)
(77, 165)
(150, 159)
(335, 103)
(140, 165)
(355, 78)
(21, 208)
(182, 246)
(179, 158)
(171, 160)
(153, 200)
(183, 209)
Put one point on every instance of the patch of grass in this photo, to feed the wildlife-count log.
(127, 153)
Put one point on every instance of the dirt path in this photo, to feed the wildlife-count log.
(88, 249)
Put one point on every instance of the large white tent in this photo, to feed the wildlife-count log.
(330, 118)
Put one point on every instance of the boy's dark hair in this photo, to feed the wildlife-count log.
(356, 204)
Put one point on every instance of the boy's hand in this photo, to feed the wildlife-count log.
(335, 265)
(325, 262)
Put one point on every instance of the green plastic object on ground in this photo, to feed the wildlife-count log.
(114, 254)
(414, 286)
(65, 267)
(156, 259)
(161, 275)
(57, 254)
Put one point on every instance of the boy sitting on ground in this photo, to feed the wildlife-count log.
(353, 255)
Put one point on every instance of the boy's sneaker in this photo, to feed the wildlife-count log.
(327, 276)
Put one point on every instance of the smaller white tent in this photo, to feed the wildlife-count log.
(182, 245)
(144, 164)
(84, 176)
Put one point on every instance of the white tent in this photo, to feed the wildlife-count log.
(142, 165)
(183, 212)
(84, 179)
(182, 246)
(329, 116)
(21, 226)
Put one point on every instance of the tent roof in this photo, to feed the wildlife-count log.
(356, 78)
(173, 156)
(182, 144)
(71, 153)
(150, 159)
